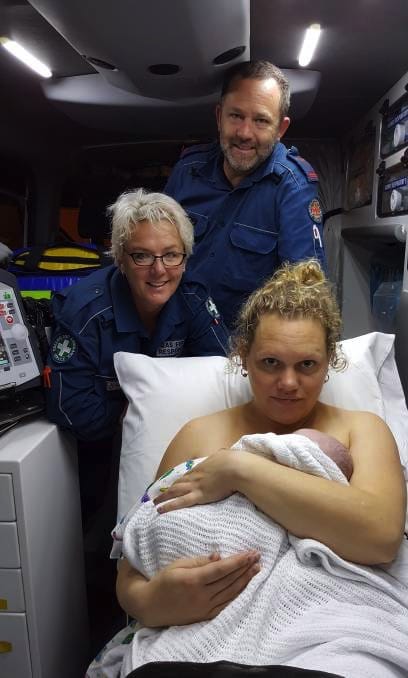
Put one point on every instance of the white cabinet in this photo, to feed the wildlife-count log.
(43, 613)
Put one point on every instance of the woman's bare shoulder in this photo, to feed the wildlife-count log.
(342, 423)
(212, 431)
(332, 412)
(199, 437)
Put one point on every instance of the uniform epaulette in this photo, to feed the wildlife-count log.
(304, 165)
(198, 148)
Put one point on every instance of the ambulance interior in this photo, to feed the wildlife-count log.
(133, 84)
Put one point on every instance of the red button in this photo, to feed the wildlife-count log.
(9, 319)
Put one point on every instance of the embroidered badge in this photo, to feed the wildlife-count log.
(212, 309)
(315, 211)
(63, 348)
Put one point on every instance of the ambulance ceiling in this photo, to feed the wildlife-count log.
(138, 70)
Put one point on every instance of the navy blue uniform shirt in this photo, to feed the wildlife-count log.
(97, 317)
(242, 234)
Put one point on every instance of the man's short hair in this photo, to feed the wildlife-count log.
(259, 70)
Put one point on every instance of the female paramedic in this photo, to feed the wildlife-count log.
(140, 304)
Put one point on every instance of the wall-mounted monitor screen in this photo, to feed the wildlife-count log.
(393, 191)
(394, 129)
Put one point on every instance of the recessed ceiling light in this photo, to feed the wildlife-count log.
(309, 44)
(28, 59)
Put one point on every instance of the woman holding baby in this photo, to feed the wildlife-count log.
(285, 342)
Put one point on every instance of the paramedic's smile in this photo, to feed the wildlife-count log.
(152, 284)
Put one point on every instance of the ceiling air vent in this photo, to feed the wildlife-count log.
(229, 55)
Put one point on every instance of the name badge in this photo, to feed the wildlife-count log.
(170, 348)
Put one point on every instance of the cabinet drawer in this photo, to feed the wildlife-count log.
(11, 591)
(14, 648)
(9, 550)
(7, 510)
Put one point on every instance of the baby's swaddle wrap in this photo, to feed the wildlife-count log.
(150, 544)
(307, 607)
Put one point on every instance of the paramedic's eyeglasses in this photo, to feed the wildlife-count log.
(169, 260)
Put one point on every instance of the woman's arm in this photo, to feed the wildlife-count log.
(207, 582)
(362, 522)
(187, 591)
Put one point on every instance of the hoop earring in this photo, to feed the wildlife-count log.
(244, 372)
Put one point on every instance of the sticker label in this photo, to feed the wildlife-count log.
(63, 348)
(315, 211)
(316, 235)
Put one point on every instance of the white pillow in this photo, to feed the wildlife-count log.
(165, 393)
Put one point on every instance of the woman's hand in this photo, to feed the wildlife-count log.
(187, 591)
(209, 481)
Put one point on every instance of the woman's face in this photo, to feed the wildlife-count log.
(287, 365)
(152, 286)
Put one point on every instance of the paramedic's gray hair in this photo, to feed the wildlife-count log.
(140, 205)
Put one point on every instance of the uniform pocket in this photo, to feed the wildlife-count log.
(108, 387)
(252, 256)
(253, 239)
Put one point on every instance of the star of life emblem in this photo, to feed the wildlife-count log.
(63, 348)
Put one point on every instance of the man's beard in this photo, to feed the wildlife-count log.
(246, 166)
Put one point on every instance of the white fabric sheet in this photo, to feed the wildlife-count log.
(307, 607)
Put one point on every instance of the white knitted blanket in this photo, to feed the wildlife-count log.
(307, 607)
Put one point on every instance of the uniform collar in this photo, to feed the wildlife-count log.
(213, 170)
(269, 166)
(125, 313)
(172, 314)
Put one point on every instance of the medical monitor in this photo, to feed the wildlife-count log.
(20, 361)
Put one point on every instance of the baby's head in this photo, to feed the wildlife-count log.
(332, 447)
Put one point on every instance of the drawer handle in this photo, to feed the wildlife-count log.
(3, 604)
(5, 646)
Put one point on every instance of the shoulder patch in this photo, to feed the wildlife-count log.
(304, 165)
(315, 211)
(63, 348)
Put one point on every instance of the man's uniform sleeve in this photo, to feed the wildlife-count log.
(172, 183)
(79, 398)
(300, 215)
(208, 334)
(183, 170)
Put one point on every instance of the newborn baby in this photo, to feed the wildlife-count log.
(337, 465)
(332, 447)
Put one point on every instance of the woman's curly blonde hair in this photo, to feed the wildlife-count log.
(299, 290)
